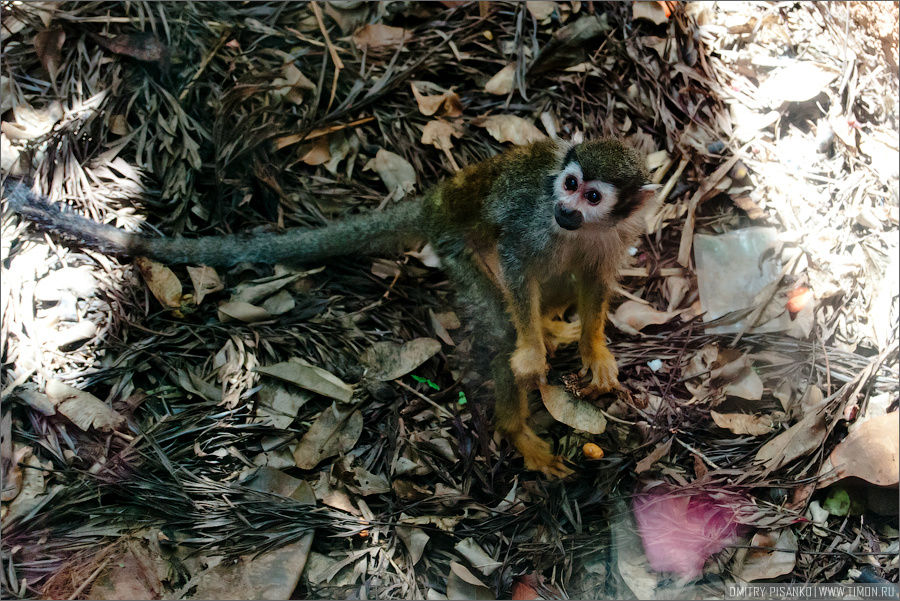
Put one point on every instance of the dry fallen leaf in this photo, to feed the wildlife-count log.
(82, 408)
(462, 584)
(161, 281)
(651, 11)
(540, 9)
(797, 82)
(575, 413)
(205, 281)
(800, 439)
(501, 83)
(447, 102)
(871, 452)
(743, 423)
(375, 36)
(389, 360)
(771, 554)
(144, 46)
(335, 431)
(299, 372)
(439, 133)
(476, 556)
(510, 128)
(397, 174)
(415, 540)
(317, 153)
(631, 316)
(48, 46)
(242, 312)
(658, 452)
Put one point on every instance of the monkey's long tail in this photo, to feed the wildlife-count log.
(371, 233)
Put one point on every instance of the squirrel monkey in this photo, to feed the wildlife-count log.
(522, 235)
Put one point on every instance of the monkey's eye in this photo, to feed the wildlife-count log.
(593, 197)
(571, 183)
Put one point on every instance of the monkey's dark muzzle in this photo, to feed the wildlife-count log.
(569, 219)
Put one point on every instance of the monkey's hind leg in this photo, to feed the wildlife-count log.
(558, 332)
(511, 411)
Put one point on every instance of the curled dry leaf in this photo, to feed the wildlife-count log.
(415, 540)
(477, 556)
(501, 83)
(48, 45)
(205, 281)
(397, 174)
(447, 102)
(510, 128)
(336, 430)
(651, 11)
(631, 316)
(462, 584)
(279, 303)
(743, 423)
(144, 46)
(317, 153)
(242, 312)
(292, 84)
(389, 360)
(798, 82)
(439, 133)
(771, 554)
(299, 372)
(376, 36)
(737, 377)
(871, 452)
(82, 408)
(369, 483)
(161, 281)
(576, 413)
(540, 9)
(800, 439)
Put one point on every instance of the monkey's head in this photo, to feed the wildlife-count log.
(602, 183)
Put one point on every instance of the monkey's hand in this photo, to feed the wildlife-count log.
(537, 454)
(529, 363)
(597, 360)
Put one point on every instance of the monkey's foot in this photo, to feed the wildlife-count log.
(558, 332)
(537, 455)
(604, 373)
(529, 364)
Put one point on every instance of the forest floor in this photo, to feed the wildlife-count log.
(325, 431)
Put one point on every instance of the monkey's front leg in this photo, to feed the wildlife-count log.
(529, 360)
(593, 304)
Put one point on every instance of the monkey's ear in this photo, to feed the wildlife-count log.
(647, 192)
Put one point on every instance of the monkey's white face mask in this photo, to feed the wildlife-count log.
(581, 202)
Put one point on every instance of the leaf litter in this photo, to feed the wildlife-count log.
(183, 121)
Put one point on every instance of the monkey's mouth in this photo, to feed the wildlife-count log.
(568, 219)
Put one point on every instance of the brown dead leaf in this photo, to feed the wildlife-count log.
(335, 431)
(651, 11)
(161, 281)
(205, 281)
(242, 312)
(144, 46)
(631, 316)
(317, 153)
(575, 413)
(501, 83)
(510, 128)
(82, 408)
(540, 9)
(447, 102)
(376, 36)
(743, 423)
(439, 133)
(871, 452)
(463, 584)
(48, 45)
(771, 554)
(800, 439)
(397, 174)
(660, 451)
(299, 372)
(389, 360)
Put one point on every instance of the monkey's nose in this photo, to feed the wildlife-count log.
(567, 218)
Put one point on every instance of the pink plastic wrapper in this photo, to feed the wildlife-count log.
(682, 529)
